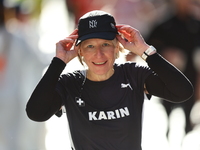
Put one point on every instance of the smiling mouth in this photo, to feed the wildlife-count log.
(99, 63)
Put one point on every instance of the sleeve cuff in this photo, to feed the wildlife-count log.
(58, 63)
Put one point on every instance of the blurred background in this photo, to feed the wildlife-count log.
(29, 30)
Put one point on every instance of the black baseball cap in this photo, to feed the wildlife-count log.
(96, 24)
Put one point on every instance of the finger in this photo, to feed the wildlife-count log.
(121, 40)
(119, 25)
(67, 43)
(69, 46)
(72, 37)
(126, 28)
(126, 36)
(75, 32)
(125, 31)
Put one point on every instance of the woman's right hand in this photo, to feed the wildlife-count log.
(63, 47)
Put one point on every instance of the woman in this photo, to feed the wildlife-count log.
(104, 102)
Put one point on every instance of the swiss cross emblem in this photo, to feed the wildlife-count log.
(92, 24)
(80, 102)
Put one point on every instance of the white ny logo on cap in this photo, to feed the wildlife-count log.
(92, 24)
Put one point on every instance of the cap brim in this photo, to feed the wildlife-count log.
(99, 35)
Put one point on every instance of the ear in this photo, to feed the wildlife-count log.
(80, 52)
(80, 56)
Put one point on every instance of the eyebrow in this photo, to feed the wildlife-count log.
(91, 41)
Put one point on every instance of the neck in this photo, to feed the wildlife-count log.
(95, 77)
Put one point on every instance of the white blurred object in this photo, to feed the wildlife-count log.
(177, 128)
(54, 24)
(192, 139)
(154, 125)
(195, 114)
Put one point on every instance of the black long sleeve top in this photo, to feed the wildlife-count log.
(165, 81)
(106, 114)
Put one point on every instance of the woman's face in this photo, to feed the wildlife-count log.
(99, 55)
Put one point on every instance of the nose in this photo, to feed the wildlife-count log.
(99, 53)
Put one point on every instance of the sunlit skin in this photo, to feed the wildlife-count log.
(99, 55)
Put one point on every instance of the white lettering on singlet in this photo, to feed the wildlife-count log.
(109, 115)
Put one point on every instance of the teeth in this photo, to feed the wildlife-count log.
(100, 63)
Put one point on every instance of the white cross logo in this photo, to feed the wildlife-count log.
(92, 24)
(80, 101)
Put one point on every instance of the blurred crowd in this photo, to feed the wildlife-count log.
(29, 30)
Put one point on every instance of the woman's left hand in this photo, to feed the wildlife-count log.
(131, 39)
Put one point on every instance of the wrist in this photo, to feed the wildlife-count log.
(150, 51)
(61, 58)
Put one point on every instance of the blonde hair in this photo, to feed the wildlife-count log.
(115, 43)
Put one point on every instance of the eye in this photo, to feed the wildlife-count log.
(90, 46)
(105, 44)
